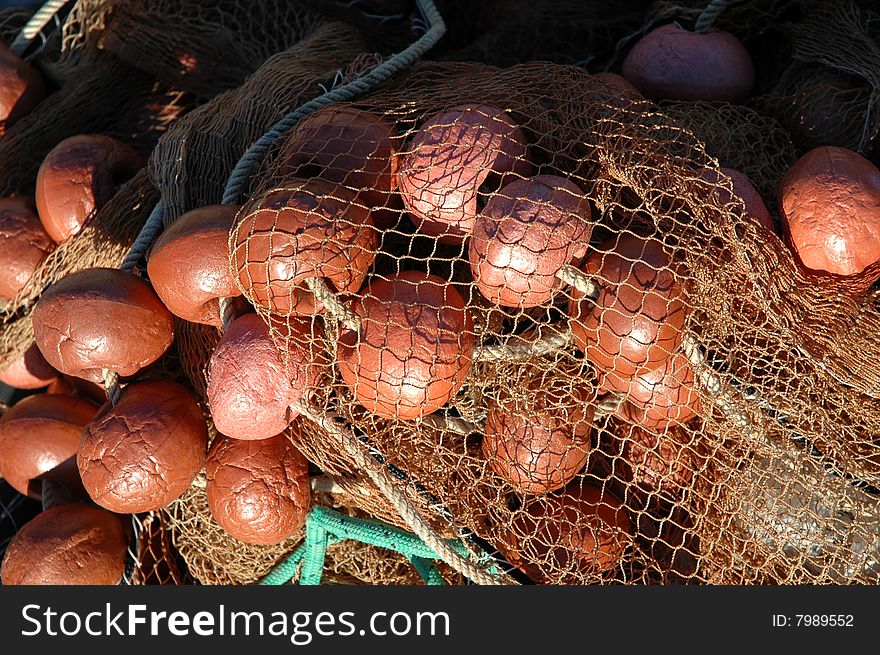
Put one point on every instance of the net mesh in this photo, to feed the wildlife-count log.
(739, 138)
(503, 32)
(190, 166)
(157, 561)
(739, 464)
(827, 94)
(201, 46)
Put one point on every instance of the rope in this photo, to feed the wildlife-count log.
(400, 61)
(454, 424)
(35, 25)
(609, 404)
(111, 385)
(227, 312)
(145, 238)
(519, 349)
(709, 14)
(712, 383)
(576, 278)
(326, 527)
(408, 513)
(428, 570)
(52, 494)
(331, 302)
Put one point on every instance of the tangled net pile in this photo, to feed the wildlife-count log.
(490, 378)
(756, 486)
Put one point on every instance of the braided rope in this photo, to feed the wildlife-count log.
(396, 63)
(145, 238)
(456, 424)
(609, 404)
(351, 445)
(111, 385)
(332, 304)
(709, 14)
(36, 24)
(227, 312)
(576, 278)
(520, 349)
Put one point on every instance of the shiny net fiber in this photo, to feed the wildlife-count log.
(513, 412)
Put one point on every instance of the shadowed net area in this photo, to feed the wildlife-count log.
(827, 93)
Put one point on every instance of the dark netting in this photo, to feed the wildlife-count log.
(12, 19)
(562, 31)
(828, 93)
(201, 46)
(156, 561)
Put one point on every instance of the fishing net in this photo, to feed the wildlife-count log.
(191, 163)
(12, 19)
(562, 31)
(828, 93)
(739, 138)
(353, 563)
(156, 561)
(746, 19)
(201, 46)
(754, 463)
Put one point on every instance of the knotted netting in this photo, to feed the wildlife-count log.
(827, 92)
(658, 395)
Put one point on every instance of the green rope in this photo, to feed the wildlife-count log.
(325, 527)
(317, 541)
(428, 570)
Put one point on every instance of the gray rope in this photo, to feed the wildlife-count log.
(111, 385)
(145, 238)
(35, 25)
(709, 14)
(404, 59)
(52, 494)
(227, 312)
